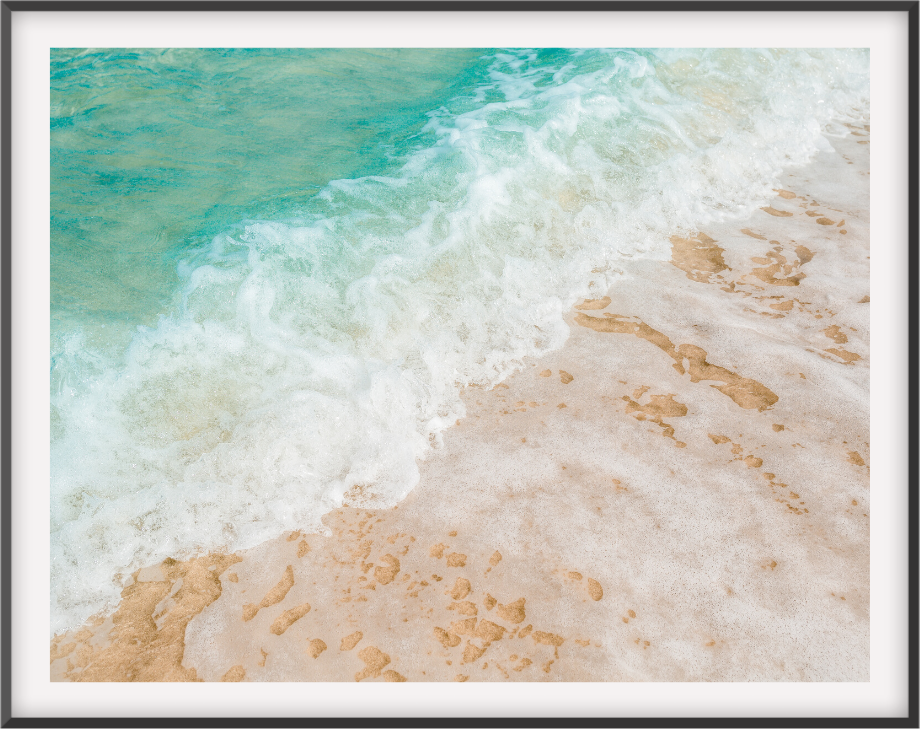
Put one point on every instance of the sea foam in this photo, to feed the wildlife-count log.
(311, 361)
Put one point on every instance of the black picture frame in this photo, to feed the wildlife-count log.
(8, 558)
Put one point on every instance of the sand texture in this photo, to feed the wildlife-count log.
(681, 493)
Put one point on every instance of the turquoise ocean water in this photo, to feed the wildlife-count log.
(273, 270)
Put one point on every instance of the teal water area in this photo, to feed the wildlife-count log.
(155, 151)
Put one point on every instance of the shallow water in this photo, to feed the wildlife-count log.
(155, 152)
(272, 271)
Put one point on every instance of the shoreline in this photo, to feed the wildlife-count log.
(679, 493)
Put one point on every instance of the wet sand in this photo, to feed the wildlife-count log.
(681, 493)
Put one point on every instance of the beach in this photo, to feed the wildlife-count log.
(680, 492)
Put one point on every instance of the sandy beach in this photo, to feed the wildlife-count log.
(680, 493)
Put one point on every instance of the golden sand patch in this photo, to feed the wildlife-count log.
(550, 639)
(776, 213)
(464, 608)
(489, 632)
(595, 590)
(512, 612)
(237, 673)
(456, 560)
(448, 640)
(316, 647)
(61, 651)
(350, 641)
(565, 377)
(375, 660)
(835, 334)
(273, 597)
(142, 648)
(461, 588)
(350, 564)
(473, 652)
(804, 254)
(702, 260)
(769, 274)
(659, 407)
(361, 494)
(589, 304)
(699, 257)
(464, 627)
(746, 393)
(288, 618)
(385, 574)
(847, 357)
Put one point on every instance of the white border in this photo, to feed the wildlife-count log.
(35, 33)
